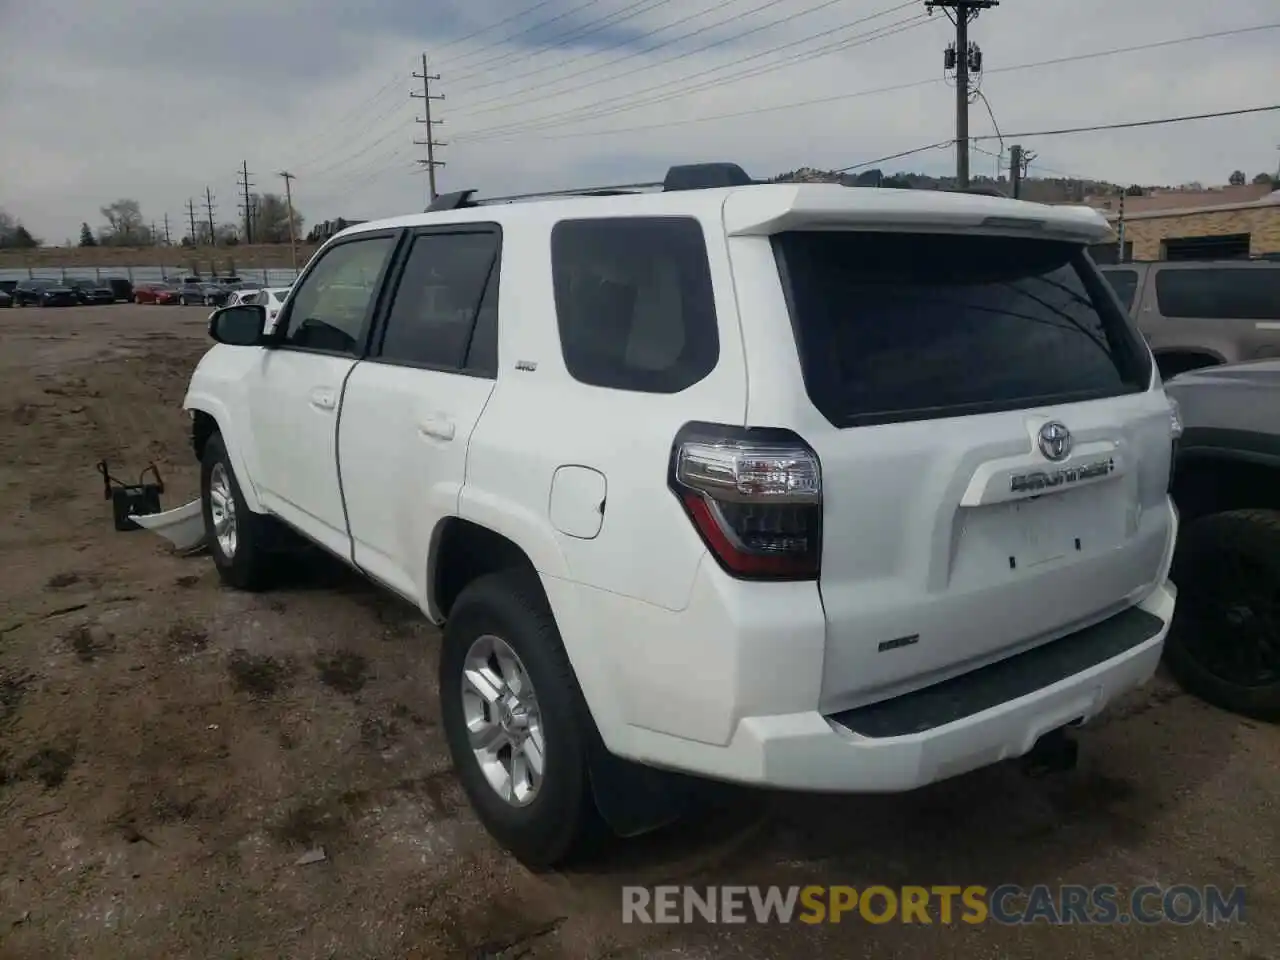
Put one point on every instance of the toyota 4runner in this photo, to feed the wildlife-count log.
(801, 486)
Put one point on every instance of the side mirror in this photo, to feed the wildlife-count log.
(239, 326)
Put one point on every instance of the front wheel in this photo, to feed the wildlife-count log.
(515, 720)
(1224, 645)
(236, 536)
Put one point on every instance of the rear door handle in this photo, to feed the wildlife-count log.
(437, 428)
(323, 398)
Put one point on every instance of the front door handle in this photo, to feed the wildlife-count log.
(323, 398)
(436, 428)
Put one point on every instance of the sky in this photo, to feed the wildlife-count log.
(158, 99)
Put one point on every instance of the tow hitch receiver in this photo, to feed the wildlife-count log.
(1055, 752)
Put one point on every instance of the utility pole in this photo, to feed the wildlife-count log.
(191, 213)
(208, 206)
(426, 96)
(1120, 229)
(244, 183)
(168, 240)
(288, 200)
(965, 59)
(1019, 160)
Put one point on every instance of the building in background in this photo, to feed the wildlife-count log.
(1234, 222)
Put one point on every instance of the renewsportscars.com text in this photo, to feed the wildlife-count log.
(1008, 904)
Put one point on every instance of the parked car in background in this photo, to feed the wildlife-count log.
(43, 293)
(1224, 645)
(154, 292)
(6, 301)
(1201, 313)
(121, 286)
(8, 285)
(194, 292)
(91, 291)
(272, 298)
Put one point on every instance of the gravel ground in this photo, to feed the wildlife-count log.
(169, 750)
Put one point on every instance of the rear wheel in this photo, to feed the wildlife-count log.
(1224, 645)
(515, 721)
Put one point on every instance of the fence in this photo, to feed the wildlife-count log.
(268, 276)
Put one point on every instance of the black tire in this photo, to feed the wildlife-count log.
(1224, 645)
(561, 822)
(249, 568)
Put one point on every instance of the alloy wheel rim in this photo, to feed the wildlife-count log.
(503, 720)
(222, 510)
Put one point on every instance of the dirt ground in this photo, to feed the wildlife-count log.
(170, 750)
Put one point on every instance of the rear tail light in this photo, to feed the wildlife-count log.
(755, 497)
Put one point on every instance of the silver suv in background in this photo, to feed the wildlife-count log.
(1202, 313)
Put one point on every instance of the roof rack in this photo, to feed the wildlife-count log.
(692, 176)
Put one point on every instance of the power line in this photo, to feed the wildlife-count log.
(326, 171)
(1130, 125)
(630, 54)
(632, 101)
(574, 34)
(891, 88)
(647, 67)
(191, 213)
(522, 33)
(495, 26)
(1066, 131)
(341, 122)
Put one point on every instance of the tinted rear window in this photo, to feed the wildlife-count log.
(634, 302)
(1125, 284)
(1219, 293)
(897, 326)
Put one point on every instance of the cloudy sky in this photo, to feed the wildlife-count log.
(157, 99)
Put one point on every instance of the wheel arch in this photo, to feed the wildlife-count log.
(1208, 480)
(209, 416)
(1175, 360)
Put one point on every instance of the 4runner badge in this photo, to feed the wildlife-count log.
(1050, 479)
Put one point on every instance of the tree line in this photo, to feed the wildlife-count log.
(125, 226)
(13, 235)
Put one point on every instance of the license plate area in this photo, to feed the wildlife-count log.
(1003, 541)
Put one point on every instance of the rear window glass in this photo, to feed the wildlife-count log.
(1220, 293)
(634, 302)
(1125, 284)
(897, 326)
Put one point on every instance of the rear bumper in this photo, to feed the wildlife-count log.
(865, 750)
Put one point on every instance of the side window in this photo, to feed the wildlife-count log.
(1219, 293)
(634, 302)
(329, 311)
(439, 297)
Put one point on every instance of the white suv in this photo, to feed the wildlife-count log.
(802, 486)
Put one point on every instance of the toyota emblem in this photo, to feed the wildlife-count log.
(1055, 441)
